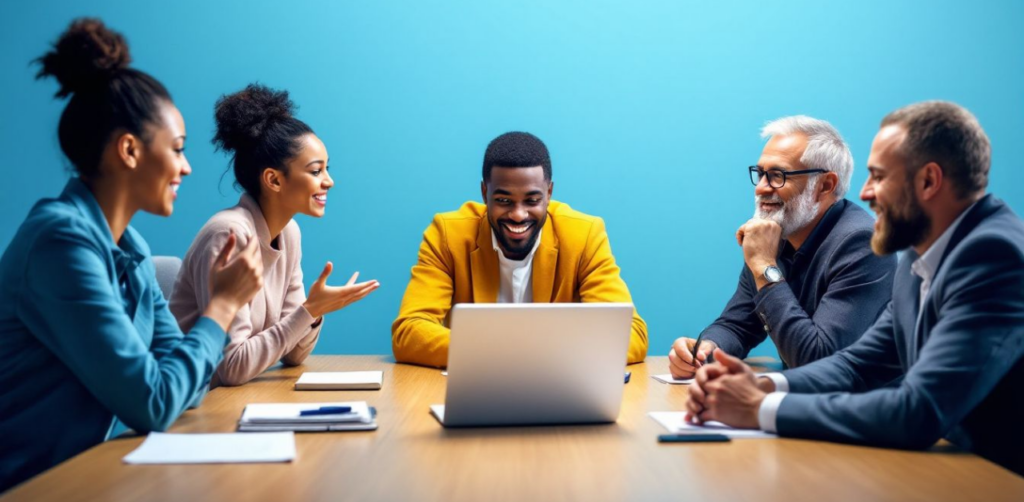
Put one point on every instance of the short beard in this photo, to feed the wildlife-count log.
(900, 228)
(795, 214)
(517, 253)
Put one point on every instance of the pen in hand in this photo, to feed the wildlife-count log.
(693, 354)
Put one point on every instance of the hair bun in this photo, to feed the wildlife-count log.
(86, 55)
(245, 116)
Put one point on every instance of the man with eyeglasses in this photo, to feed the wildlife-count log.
(810, 280)
(946, 357)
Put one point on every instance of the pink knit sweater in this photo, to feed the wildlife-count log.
(274, 326)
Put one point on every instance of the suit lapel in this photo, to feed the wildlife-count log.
(904, 312)
(484, 265)
(981, 210)
(545, 261)
(922, 319)
(915, 338)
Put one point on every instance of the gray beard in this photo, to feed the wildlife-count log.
(794, 215)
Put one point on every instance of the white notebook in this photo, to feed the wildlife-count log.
(340, 380)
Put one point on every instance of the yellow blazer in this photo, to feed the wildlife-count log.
(458, 264)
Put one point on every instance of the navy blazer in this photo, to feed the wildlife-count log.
(957, 371)
(834, 290)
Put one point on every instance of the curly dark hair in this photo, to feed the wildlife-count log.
(516, 149)
(257, 125)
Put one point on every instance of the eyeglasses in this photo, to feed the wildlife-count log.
(777, 177)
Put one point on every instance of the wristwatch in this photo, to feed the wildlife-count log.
(773, 275)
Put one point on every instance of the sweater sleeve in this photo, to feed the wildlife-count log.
(294, 299)
(248, 353)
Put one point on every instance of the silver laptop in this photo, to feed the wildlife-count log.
(535, 363)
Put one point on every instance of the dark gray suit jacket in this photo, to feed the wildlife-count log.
(834, 290)
(957, 372)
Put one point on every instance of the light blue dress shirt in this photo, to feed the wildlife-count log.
(86, 335)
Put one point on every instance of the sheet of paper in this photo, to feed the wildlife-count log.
(675, 422)
(161, 448)
(667, 378)
(289, 413)
(438, 411)
(342, 377)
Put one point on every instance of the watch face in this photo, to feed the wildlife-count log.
(773, 274)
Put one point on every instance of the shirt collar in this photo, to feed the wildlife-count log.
(927, 264)
(128, 252)
(501, 254)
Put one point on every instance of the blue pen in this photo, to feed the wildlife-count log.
(628, 374)
(326, 410)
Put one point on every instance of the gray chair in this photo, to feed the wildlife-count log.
(167, 268)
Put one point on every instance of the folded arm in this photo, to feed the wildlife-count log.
(859, 287)
(69, 304)
(978, 337)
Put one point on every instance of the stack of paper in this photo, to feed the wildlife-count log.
(340, 380)
(162, 448)
(264, 417)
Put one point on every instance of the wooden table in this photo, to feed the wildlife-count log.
(412, 458)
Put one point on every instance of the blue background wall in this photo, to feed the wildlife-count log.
(651, 111)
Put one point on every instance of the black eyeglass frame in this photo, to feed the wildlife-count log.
(761, 172)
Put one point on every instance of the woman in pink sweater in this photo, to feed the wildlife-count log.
(282, 168)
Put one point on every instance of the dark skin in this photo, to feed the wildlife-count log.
(517, 201)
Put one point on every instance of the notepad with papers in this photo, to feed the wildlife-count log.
(340, 380)
(263, 417)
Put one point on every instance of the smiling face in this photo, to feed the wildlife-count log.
(889, 190)
(793, 206)
(304, 188)
(162, 163)
(517, 207)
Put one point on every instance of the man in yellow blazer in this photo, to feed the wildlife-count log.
(518, 247)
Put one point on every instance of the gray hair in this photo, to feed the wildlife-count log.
(826, 148)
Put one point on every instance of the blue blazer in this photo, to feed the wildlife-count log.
(86, 335)
(957, 371)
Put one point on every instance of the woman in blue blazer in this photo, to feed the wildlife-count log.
(85, 333)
